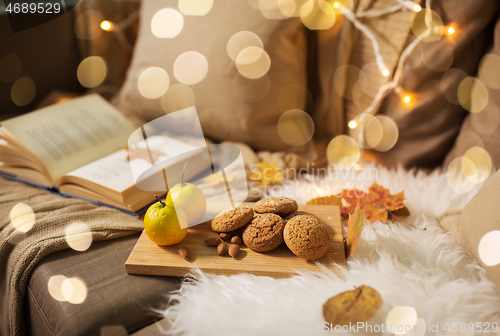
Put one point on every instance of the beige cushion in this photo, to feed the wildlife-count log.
(427, 128)
(481, 129)
(228, 104)
(479, 217)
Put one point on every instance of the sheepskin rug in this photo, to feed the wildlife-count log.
(420, 267)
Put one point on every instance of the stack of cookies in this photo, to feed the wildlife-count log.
(273, 221)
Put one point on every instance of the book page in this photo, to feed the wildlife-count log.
(115, 171)
(69, 135)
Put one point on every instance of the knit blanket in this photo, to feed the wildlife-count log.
(35, 223)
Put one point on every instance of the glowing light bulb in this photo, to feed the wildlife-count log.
(417, 8)
(385, 72)
(352, 124)
(407, 99)
(451, 31)
(336, 4)
(106, 25)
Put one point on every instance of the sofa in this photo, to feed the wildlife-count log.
(124, 304)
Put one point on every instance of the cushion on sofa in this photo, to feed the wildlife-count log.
(230, 106)
(114, 301)
(479, 219)
(429, 125)
(480, 128)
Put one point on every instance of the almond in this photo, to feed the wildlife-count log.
(234, 250)
(225, 235)
(221, 249)
(213, 241)
(184, 252)
(236, 240)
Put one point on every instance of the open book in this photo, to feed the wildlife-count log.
(79, 148)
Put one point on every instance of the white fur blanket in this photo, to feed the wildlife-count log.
(424, 269)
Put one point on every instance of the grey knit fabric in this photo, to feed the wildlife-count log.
(20, 251)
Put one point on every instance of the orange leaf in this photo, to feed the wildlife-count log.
(394, 202)
(377, 203)
(373, 213)
(354, 228)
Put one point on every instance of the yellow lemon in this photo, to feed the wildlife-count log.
(190, 198)
(164, 225)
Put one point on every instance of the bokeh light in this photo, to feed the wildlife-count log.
(195, 7)
(450, 81)
(106, 25)
(472, 94)
(455, 177)
(369, 74)
(414, 59)
(74, 290)
(373, 131)
(167, 23)
(253, 62)
(295, 96)
(22, 217)
(418, 25)
(23, 91)
(78, 236)
(240, 41)
(343, 152)
(486, 121)
(401, 316)
(113, 330)
(251, 90)
(489, 67)
(352, 124)
(419, 329)
(476, 165)
(287, 7)
(54, 286)
(384, 128)
(153, 82)
(88, 25)
(10, 68)
(442, 51)
(177, 97)
(317, 14)
(489, 248)
(270, 10)
(295, 127)
(92, 71)
(341, 83)
(291, 8)
(190, 67)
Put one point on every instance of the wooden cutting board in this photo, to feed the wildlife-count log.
(150, 259)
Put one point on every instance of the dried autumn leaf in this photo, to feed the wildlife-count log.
(268, 173)
(326, 200)
(354, 228)
(373, 213)
(377, 203)
(353, 306)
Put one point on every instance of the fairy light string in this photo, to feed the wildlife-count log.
(357, 123)
(384, 89)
